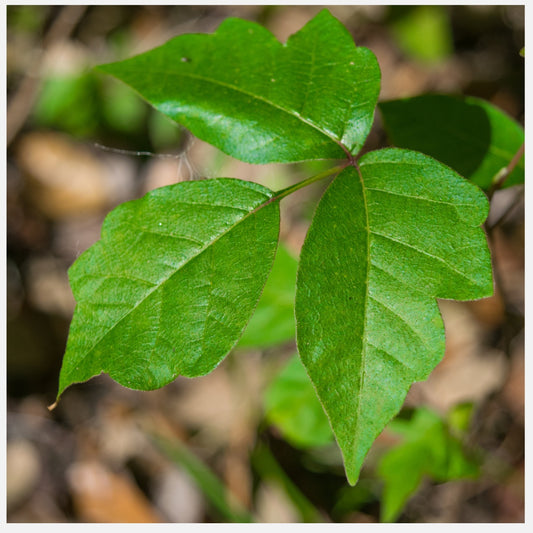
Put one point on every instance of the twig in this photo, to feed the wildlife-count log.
(136, 152)
(505, 172)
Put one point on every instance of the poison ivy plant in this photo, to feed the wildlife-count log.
(171, 285)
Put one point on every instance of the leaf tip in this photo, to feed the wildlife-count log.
(352, 474)
(352, 481)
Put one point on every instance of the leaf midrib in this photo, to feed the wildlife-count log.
(324, 131)
(365, 310)
(182, 265)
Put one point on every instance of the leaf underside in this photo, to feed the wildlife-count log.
(172, 283)
(385, 241)
(258, 100)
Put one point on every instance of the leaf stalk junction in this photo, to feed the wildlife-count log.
(308, 181)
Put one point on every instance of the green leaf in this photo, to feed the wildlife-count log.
(385, 241)
(170, 286)
(260, 101)
(292, 405)
(459, 417)
(427, 449)
(273, 320)
(470, 135)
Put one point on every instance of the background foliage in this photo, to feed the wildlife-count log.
(104, 434)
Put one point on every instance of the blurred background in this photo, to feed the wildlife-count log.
(246, 442)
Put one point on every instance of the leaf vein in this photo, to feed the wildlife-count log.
(365, 306)
(153, 289)
(423, 252)
(288, 111)
(102, 276)
(400, 317)
(171, 236)
(391, 356)
(202, 204)
(421, 198)
(411, 288)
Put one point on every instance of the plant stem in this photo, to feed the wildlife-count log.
(304, 183)
(505, 172)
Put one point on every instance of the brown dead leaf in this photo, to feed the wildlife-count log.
(100, 495)
(273, 505)
(63, 179)
(23, 471)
